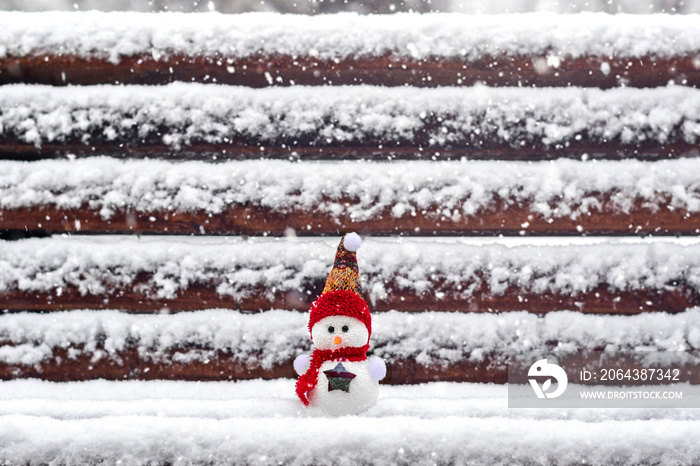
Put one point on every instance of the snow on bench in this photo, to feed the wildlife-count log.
(113, 35)
(177, 422)
(265, 398)
(99, 195)
(147, 276)
(226, 345)
(419, 50)
(260, 422)
(219, 122)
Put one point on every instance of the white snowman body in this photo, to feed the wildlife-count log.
(344, 387)
(362, 389)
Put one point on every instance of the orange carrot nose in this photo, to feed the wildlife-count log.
(337, 340)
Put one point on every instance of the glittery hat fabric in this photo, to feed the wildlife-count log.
(345, 274)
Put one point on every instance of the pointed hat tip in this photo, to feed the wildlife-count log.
(352, 241)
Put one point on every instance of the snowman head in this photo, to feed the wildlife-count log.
(340, 318)
(336, 332)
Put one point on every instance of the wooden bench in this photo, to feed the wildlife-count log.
(272, 165)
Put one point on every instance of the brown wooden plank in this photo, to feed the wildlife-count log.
(600, 300)
(424, 198)
(386, 70)
(485, 149)
(129, 365)
(156, 275)
(495, 368)
(177, 121)
(228, 345)
(508, 217)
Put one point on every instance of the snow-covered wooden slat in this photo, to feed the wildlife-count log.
(229, 345)
(261, 422)
(104, 195)
(274, 398)
(177, 275)
(222, 122)
(420, 50)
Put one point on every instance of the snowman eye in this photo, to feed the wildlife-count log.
(345, 328)
(331, 329)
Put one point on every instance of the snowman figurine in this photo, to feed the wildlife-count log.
(338, 377)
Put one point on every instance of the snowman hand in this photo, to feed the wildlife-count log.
(302, 363)
(376, 368)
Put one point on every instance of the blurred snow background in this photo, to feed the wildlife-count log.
(363, 6)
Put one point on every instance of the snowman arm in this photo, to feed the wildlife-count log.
(376, 368)
(302, 363)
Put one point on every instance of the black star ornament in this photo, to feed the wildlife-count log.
(339, 378)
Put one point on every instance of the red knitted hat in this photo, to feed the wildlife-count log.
(342, 295)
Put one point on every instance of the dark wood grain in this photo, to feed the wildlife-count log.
(387, 70)
(673, 298)
(12, 148)
(505, 216)
(129, 365)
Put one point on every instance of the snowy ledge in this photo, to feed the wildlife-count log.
(359, 191)
(269, 399)
(423, 273)
(114, 35)
(274, 338)
(495, 121)
(227, 423)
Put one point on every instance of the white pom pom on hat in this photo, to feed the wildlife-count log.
(352, 241)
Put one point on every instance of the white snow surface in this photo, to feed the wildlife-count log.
(276, 337)
(355, 190)
(262, 422)
(237, 267)
(113, 35)
(179, 114)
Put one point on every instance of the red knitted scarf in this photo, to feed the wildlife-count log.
(310, 378)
